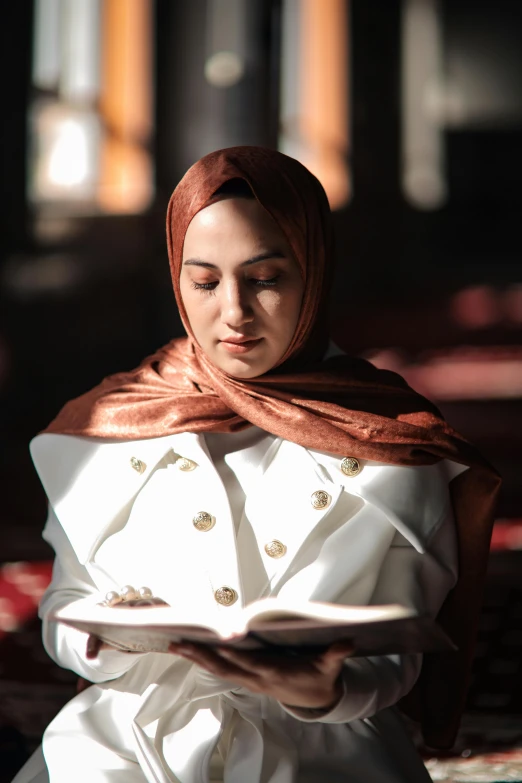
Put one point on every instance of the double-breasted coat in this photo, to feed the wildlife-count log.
(123, 513)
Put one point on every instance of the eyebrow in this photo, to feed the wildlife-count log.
(254, 260)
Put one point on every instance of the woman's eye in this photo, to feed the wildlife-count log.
(269, 282)
(204, 286)
(259, 283)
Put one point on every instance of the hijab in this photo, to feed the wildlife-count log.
(341, 405)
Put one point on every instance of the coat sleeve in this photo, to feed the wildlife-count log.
(71, 582)
(420, 580)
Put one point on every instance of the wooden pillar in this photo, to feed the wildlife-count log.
(325, 95)
(126, 102)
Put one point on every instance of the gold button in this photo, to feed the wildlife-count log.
(275, 549)
(321, 499)
(137, 464)
(350, 466)
(225, 596)
(203, 521)
(185, 464)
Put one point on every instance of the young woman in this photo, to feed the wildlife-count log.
(245, 460)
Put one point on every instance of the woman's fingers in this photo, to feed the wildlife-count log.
(306, 680)
(248, 661)
(93, 647)
(333, 657)
(268, 660)
(262, 661)
(265, 661)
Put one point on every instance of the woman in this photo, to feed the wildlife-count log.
(246, 460)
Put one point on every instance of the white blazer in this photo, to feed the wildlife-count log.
(121, 513)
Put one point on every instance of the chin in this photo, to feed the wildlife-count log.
(241, 368)
(242, 372)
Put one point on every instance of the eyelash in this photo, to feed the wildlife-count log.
(209, 286)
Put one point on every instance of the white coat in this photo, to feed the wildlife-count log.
(386, 536)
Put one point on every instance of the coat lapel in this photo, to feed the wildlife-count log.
(91, 483)
(410, 497)
(280, 507)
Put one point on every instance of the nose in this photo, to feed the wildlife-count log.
(236, 308)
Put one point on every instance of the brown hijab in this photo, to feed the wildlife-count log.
(342, 405)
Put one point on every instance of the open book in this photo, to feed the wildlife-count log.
(267, 623)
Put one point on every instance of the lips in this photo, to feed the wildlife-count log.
(240, 344)
(239, 340)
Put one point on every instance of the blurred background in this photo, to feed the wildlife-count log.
(408, 111)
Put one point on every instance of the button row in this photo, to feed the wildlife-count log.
(350, 466)
(203, 521)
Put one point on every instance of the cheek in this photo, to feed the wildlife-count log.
(270, 302)
(194, 307)
(288, 310)
(185, 294)
(281, 307)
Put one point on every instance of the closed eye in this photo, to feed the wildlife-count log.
(204, 286)
(211, 286)
(269, 282)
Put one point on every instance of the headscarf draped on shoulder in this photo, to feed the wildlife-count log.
(342, 405)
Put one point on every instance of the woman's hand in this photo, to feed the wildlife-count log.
(303, 681)
(95, 645)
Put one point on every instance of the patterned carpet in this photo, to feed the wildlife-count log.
(489, 748)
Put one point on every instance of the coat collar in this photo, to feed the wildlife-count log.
(91, 483)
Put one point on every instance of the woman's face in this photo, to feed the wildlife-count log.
(241, 286)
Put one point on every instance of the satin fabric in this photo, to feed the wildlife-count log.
(183, 714)
(343, 405)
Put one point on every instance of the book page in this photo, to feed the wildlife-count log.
(279, 610)
(268, 623)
